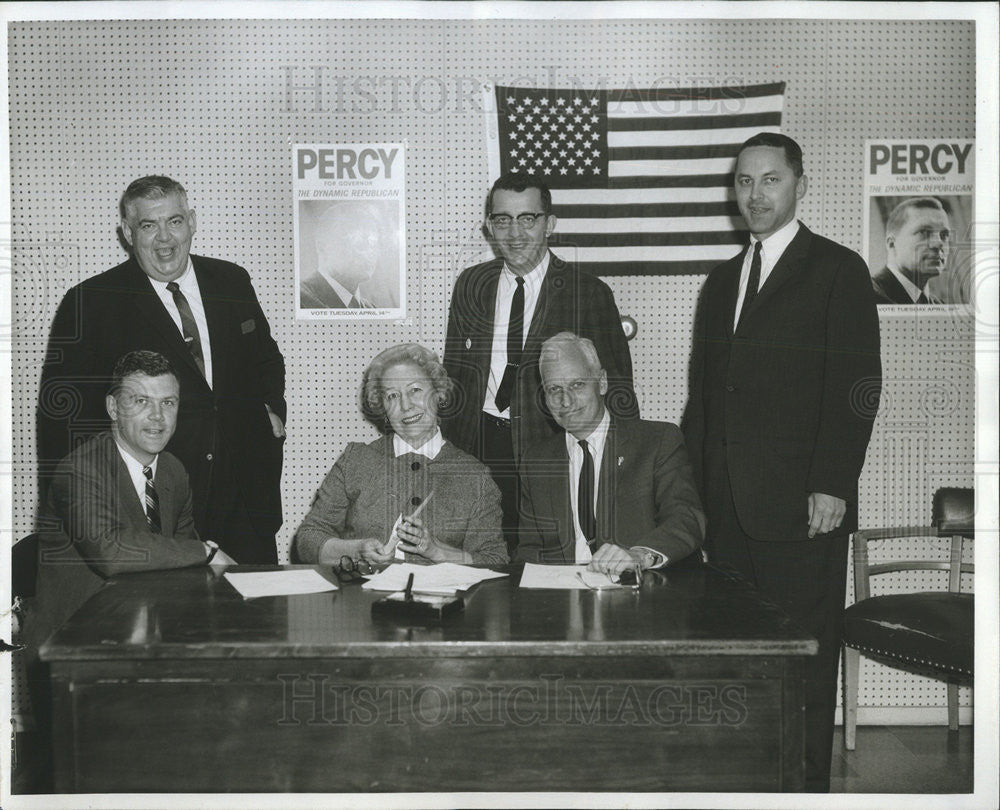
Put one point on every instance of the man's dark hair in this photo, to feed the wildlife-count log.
(152, 364)
(517, 181)
(899, 214)
(793, 152)
(153, 187)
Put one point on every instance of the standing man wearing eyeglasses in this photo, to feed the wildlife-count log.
(501, 312)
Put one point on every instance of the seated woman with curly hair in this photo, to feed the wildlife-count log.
(371, 485)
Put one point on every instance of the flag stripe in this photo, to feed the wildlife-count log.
(682, 154)
(671, 168)
(642, 240)
(614, 199)
(751, 121)
(693, 93)
(665, 181)
(683, 137)
(644, 224)
(680, 253)
(714, 110)
(567, 212)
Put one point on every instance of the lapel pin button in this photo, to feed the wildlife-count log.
(468, 343)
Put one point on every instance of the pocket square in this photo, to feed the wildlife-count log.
(248, 326)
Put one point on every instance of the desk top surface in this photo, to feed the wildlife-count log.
(194, 613)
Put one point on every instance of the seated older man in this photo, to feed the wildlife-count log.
(378, 496)
(617, 494)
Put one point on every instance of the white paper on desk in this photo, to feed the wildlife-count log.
(254, 584)
(442, 579)
(564, 577)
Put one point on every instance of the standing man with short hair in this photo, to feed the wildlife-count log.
(203, 315)
(786, 365)
(917, 236)
(501, 312)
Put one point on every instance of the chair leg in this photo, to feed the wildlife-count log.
(852, 665)
(953, 707)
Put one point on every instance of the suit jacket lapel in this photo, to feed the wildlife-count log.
(214, 301)
(784, 270)
(553, 286)
(126, 495)
(616, 446)
(556, 482)
(151, 308)
(732, 289)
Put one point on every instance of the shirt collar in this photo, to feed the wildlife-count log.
(774, 245)
(534, 276)
(133, 464)
(595, 439)
(428, 449)
(912, 289)
(345, 294)
(183, 280)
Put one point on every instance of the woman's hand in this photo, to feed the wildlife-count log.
(415, 538)
(374, 553)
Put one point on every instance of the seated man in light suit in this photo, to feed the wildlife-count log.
(627, 500)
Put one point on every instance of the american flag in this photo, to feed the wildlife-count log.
(642, 180)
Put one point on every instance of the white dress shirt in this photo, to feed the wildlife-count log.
(596, 442)
(506, 286)
(188, 282)
(134, 467)
(912, 289)
(771, 250)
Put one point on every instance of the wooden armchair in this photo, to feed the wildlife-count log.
(928, 633)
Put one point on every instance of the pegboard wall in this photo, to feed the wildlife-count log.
(218, 104)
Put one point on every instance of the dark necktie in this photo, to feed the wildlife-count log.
(585, 495)
(152, 502)
(922, 299)
(753, 282)
(188, 325)
(515, 339)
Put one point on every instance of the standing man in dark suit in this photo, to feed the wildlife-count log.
(917, 237)
(203, 315)
(501, 312)
(617, 494)
(785, 380)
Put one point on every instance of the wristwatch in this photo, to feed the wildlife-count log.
(648, 559)
(213, 549)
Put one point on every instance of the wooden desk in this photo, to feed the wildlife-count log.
(169, 682)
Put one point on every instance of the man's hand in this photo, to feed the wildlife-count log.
(825, 513)
(613, 560)
(277, 426)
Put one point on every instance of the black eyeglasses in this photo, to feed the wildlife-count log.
(350, 570)
(504, 221)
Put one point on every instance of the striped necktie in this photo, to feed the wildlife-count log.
(152, 502)
(188, 325)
